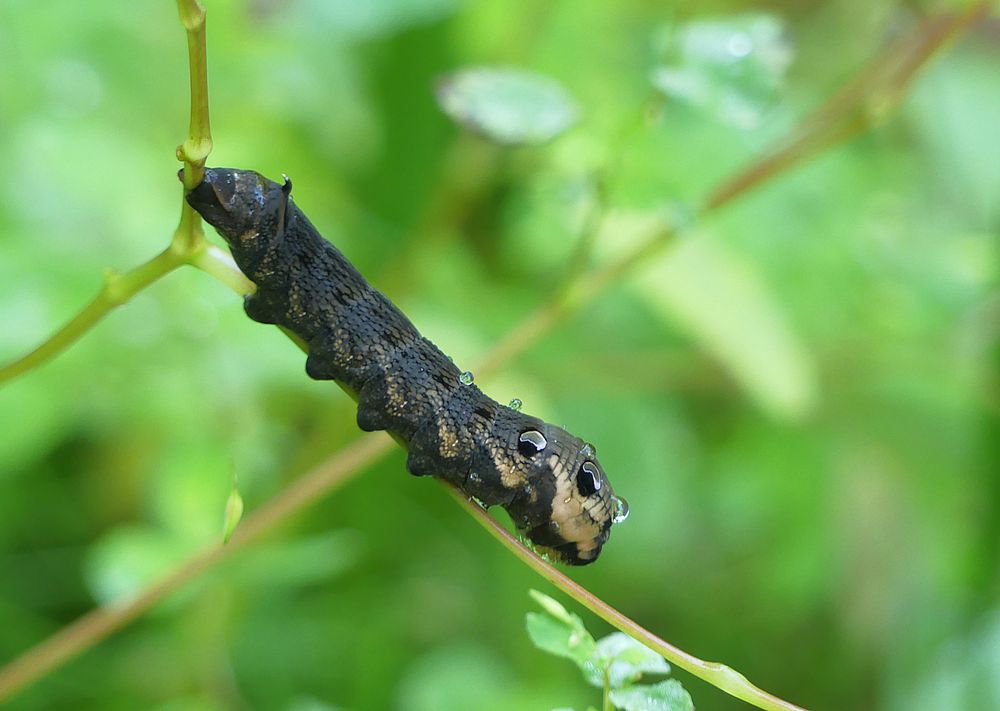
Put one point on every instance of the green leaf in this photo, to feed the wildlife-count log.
(625, 660)
(731, 68)
(551, 606)
(724, 304)
(507, 106)
(560, 632)
(234, 512)
(667, 695)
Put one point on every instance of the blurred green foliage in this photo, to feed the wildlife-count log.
(800, 399)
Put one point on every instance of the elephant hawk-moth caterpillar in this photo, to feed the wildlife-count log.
(548, 480)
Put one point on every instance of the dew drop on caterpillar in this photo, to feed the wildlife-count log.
(549, 481)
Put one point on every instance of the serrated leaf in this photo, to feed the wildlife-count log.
(625, 659)
(556, 637)
(559, 631)
(505, 105)
(667, 695)
(723, 303)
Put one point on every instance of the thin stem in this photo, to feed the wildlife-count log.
(194, 151)
(97, 625)
(118, 289)
(102, 622)
(716, 674)
(873, 94)
(188, 244)
(220, 264)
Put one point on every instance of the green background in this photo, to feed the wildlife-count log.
(800, 398)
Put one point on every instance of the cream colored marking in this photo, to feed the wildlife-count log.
(397, 398)
(510, 476)
(449, 441)
(575, 523)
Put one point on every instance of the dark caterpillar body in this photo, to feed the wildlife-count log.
(548, 480)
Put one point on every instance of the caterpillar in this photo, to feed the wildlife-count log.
(548, 481)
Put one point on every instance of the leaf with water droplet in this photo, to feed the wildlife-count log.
(732, 68)
(234, 512)
(559, 632)
(667, 695)
(505, 105)
(625, 660)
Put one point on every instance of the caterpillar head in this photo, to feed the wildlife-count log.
(241, 205)
(572, 499)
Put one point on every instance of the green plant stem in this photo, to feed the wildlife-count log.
(871, 96)
(118, 289)
(95, 626)
(718, 675)
(187, 246)
(219, 264)
(195, 150)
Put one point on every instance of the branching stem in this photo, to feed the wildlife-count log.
(118, 289)
(835, 121)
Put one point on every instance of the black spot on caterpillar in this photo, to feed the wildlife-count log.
(548, 480)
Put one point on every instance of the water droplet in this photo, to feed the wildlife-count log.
(466, 378)
(588, 450)
(515, 405)
(474, 478)
(621, 509)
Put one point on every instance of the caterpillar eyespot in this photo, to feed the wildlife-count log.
(531, 442)
(588, 479)
(547, 480)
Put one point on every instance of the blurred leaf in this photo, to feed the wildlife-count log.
(127, 559)
(954, 110)
(731, 68)
(625, 659)
(725, 306)
(190, 703)
(310, 703)
(667, 695)
(190, 487)
(461, 676)
(301, 561)
(373, 18)
(560, 632)
(963, 675)
(507, 106)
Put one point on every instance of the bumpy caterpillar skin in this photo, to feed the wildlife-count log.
(548, 480)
